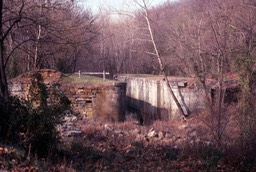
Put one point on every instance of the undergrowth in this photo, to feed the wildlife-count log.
(31, 124)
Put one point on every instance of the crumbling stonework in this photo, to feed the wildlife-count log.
(106, 100)
(69, 126)
(20, 86)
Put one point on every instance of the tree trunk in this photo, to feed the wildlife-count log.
(3, 79)
(180, 104)
(36, 59)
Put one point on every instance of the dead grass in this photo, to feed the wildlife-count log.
(185, 146)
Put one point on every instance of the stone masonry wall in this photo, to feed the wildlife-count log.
(20, 86)
(106, 101)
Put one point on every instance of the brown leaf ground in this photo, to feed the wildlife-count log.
(163, 146)
(175, 146)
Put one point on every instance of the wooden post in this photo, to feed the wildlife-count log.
(79, 74)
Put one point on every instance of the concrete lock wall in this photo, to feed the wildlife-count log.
(105, 101)
(152, 98)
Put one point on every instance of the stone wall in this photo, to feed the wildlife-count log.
(105, 101)
(19, 86)
(151, 97)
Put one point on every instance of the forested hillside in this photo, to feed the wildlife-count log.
(202, 39)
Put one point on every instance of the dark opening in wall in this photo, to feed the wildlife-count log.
(88, 101)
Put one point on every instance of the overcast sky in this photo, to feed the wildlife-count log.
(116, 5)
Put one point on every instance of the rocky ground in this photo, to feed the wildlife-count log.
(163, 146)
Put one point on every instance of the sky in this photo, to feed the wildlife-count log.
(116, 5)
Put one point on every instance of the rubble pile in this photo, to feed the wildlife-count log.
(185, 134)
(69, 126)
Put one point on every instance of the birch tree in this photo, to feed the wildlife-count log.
(180, 104)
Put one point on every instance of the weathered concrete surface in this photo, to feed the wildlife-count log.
(105, 100)
(151, 96)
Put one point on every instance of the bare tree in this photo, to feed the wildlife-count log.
(4, 32)
(57, 34)
(244, 52)
(181, 105)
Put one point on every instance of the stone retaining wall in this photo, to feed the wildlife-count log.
(105, 101)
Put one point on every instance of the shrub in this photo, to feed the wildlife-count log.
(13, 115)
(42, 121)
(32, 123)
